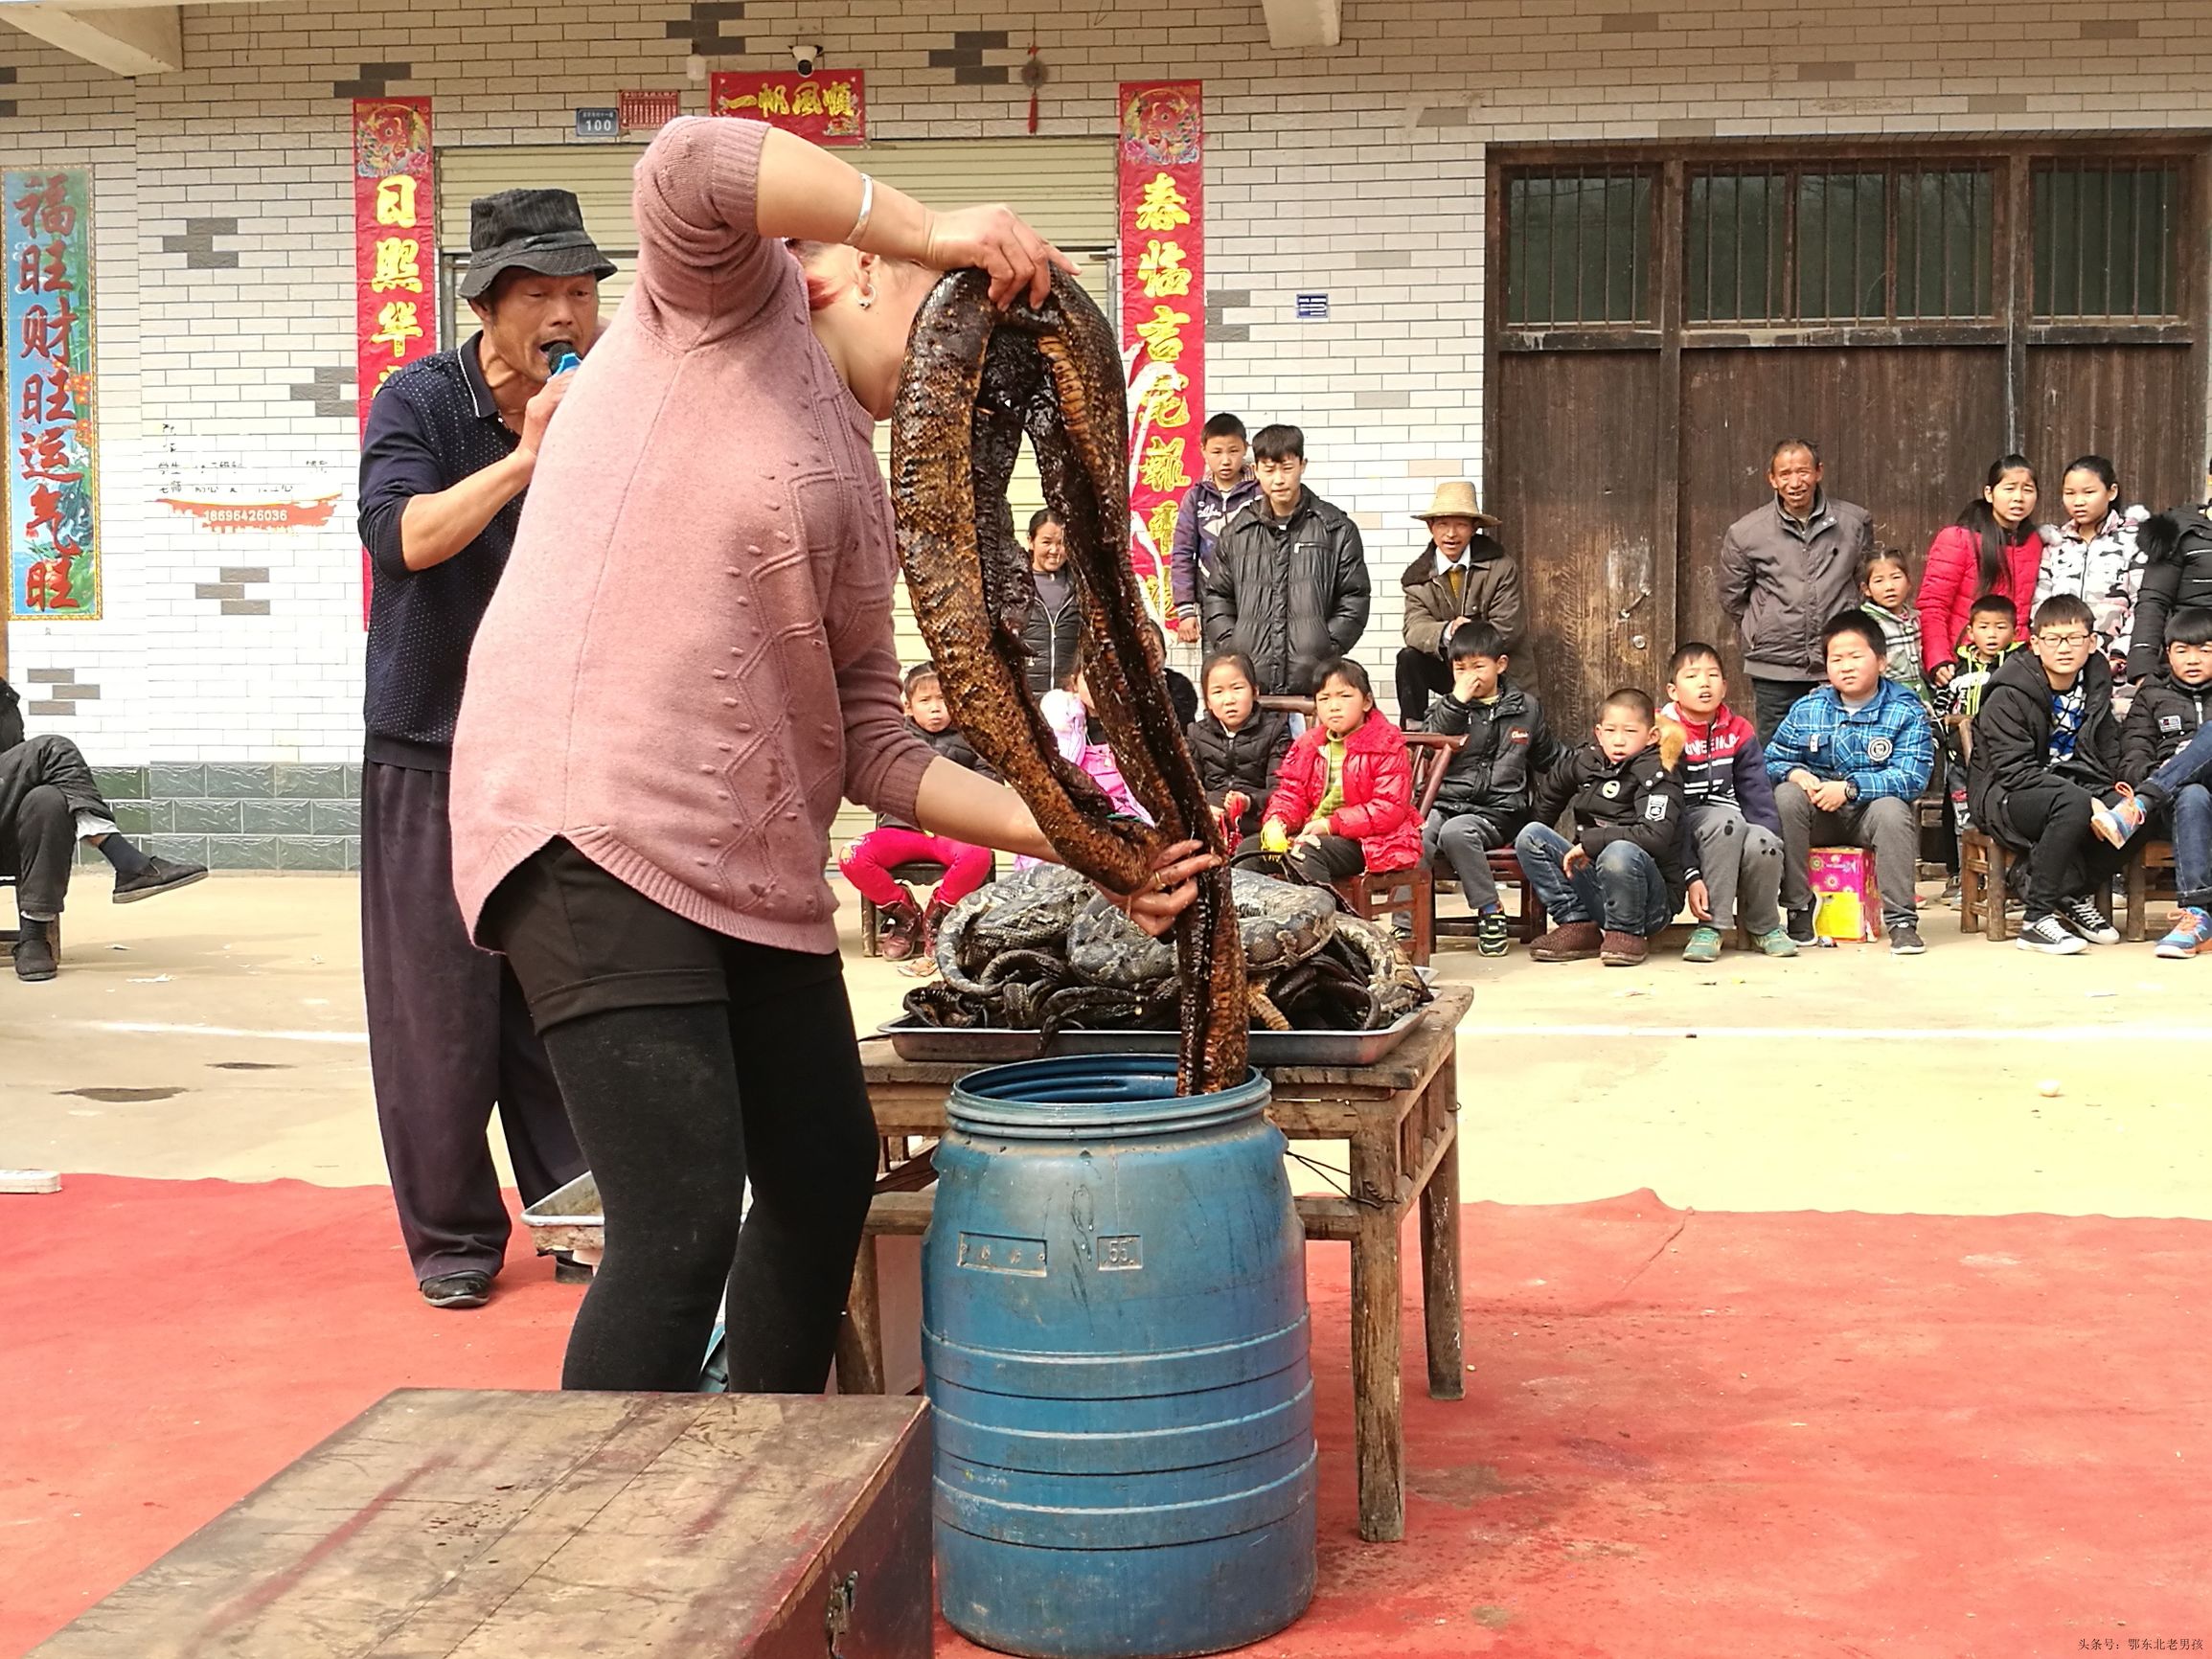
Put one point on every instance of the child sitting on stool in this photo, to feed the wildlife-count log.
(904, 929)
(1238, 746)
(2046, 752)
(1732, 833)
(1617, 884)
(1345, 802)
(1484, 799)
(2166, 751)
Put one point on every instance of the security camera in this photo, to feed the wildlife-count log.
(805, 57)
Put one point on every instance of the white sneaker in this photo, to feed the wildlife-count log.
(2050, 936)
(2085, 918)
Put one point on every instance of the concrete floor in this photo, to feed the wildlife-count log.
(216, 1031)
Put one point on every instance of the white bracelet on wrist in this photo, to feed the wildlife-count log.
(867, 208)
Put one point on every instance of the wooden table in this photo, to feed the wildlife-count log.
(483, 1525)
(1399, 1120)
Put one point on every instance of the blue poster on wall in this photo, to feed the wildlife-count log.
(53, 446)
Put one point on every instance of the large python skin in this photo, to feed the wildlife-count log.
(977, 381)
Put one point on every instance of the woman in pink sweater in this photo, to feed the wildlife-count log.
(687, 663)
(1992, 547)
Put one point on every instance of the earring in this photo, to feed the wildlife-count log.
(865, 298)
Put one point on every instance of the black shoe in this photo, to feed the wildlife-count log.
(2086, 919)
(1904, 940)
(1801, 926)
(159, 875)
(470, 1289)
(34, 952)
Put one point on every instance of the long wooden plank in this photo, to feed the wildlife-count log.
(445, 1525)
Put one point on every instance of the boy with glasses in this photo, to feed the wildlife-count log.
(2046, 753)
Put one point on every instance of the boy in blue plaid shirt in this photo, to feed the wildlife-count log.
(1849, 761)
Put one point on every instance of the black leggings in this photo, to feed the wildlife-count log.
(692, 1062)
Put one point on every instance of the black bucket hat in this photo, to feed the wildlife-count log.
(531, 230)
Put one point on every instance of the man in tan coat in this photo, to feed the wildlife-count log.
(1462, 576)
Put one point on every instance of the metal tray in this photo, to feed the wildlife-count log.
(569, 1218)
(987, 1045)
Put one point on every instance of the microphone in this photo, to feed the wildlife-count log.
(561, 356)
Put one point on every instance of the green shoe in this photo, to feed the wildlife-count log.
(1704, 946)
(1778, 943)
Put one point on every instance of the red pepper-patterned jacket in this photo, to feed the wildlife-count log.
(1378, 805)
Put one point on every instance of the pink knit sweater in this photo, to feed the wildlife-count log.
(689, 659)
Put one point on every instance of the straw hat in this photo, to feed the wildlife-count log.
(1455, 499)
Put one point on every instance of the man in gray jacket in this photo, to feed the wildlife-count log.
(1288, 585)
(1787, 570)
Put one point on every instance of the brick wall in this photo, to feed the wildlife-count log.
(225, 257)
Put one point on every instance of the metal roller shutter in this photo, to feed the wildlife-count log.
(1062, 185)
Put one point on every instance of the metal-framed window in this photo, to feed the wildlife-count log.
(2106, 237)
(1839, 243)
(1579, 246)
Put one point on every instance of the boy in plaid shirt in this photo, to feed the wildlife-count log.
(1848, 762)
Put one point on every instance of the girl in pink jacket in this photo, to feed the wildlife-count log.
(1992, 547)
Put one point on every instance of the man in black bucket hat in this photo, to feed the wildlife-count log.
(452, 440)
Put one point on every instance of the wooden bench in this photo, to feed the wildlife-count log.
(2150, 857)
(1527, 925)
(1398, 1122)
(453, 1525)
(1984, 862)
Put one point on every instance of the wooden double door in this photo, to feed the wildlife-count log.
(1651, 340)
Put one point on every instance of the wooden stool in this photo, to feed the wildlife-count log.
(917, 872)
(1527, 925)
(1983, 862)
(10, 935)
(2149, 857)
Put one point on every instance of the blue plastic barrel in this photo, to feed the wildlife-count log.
(1115, 1330)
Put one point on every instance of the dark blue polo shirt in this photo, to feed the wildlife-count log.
(433, 425)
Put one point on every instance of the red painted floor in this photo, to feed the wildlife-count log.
(1697, 1435)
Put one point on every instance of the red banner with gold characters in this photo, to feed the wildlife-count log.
(1163, 276)
(822, 108)
(395, 248)
(53, 490)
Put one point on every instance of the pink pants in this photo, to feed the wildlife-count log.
(868, 863)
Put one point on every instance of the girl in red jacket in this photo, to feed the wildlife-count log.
(1992, 547)
(1343, 801)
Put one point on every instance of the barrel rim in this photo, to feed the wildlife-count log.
(1111, 1097)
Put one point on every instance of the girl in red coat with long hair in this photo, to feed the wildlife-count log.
(1992, 547)
(1343, 801)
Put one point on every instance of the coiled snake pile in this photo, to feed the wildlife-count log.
(976, 382)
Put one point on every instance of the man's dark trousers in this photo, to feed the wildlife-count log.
(44, 783)
(38, 840)
(1771, 699)
(449, 1037)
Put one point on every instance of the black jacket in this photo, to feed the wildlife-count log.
(2165, 716)
(953, 744)
(2012, 735)
(1246, 760)
(1289, 593)
(1508, 748)
(11, 717)
(1050, 637)
(1637, 800)
(2176, 571)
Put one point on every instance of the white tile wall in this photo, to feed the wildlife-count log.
(1315, 158)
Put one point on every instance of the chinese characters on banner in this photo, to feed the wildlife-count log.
(53, 474)
(395, 249)
(1163, 279)
(821, 108)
